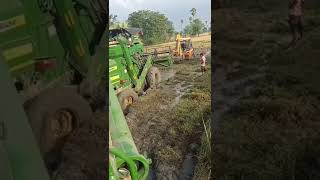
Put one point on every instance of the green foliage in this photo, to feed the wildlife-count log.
(187, 29)
(204, 30)
(195, 27)
(156, 26)
(112, 19)
(119, 25)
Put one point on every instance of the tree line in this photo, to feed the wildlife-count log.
(157, 28)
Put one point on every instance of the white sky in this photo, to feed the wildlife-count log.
(175, 10)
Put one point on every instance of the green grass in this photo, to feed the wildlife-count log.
(203, 170)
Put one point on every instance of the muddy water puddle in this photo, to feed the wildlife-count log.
(181, 89)
(167, 74)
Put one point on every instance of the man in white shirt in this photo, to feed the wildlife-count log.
(202, 63)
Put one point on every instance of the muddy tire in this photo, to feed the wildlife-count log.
(54, 114)
(153, 78)
(126, 98)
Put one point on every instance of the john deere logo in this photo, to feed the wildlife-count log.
(12, 23)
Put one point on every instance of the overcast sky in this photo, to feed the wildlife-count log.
(175, 10)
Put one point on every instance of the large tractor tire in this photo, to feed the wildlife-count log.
(54, 114)
(153, 78)
(126, 98)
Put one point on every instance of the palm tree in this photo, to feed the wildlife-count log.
(193, 12)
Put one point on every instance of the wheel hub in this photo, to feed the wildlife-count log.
(128, 101)
(61, 123)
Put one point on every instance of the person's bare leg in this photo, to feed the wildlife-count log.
(300, 28)
(294, 35)
(292, 25)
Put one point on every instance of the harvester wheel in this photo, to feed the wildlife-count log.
(54, 114)
(153, 78)
(126, 98)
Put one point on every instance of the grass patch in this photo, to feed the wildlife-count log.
(273, 134)
(203, 170)
(263, 138)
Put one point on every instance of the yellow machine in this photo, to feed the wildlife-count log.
(183, 48)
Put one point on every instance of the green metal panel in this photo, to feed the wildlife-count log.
(29, 32)
(123, 146)
(17, 142)
(118, 128)
(72, 35)
(118, 72)
(133, 72)
(143, 74)
(32, 36)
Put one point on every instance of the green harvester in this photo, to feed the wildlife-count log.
(131, 71)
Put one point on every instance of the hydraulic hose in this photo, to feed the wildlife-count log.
(132, 166)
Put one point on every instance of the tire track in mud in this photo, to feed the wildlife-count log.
(223, 101)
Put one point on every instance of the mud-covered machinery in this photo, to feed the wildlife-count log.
(125, 162)
(54, 53)
(20, 157)
(129, 72)
(160, 56)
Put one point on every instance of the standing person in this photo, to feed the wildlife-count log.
(202, 63)
(295, 19)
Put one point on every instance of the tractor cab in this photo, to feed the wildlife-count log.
(184, 48)
(186, 44)
(115, 33)
(187, 49)
(134, 42)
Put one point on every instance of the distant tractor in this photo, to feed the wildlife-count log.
(188, 51)
(184, 48)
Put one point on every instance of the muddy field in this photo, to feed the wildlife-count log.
(84, 156)
(266, 117)
(168, 123)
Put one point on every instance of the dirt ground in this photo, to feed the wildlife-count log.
(266, 116)
(167, 123)
(84, 156)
